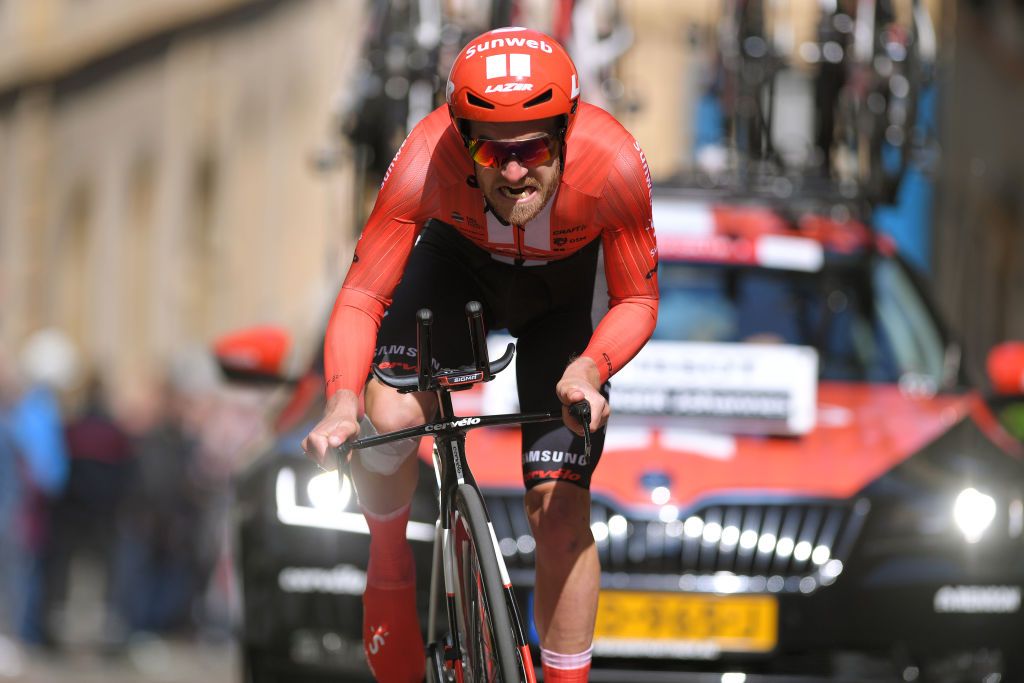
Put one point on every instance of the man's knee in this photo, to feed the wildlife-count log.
(388, 411)
(559, 515)
(384, 459)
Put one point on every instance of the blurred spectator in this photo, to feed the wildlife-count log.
(154, 561)
(235, 422)
(85, 518)
(174, 552)
(33, 464)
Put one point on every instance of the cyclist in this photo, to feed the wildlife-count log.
(517, 194)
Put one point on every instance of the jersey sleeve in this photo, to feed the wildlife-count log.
(402, 206)
(630, 262)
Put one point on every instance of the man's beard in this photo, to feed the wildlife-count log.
(520, 214)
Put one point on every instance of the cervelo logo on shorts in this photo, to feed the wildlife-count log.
(464, 422)
(562, 474)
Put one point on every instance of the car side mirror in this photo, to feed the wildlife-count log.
(255, 355)
(1005, 365)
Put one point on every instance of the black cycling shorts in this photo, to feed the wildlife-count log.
(550, 309)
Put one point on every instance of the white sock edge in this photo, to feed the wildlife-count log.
(557, 660)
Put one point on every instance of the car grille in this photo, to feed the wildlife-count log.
(789, 543)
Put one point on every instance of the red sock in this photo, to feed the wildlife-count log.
(391, 563)
(559, 668)
(391, 626)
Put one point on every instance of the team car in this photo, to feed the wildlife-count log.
(797, 481)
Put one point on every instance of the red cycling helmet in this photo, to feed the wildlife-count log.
(512, 74)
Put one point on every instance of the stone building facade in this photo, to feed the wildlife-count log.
(157, 175)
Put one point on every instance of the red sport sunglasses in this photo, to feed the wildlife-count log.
(529, 152)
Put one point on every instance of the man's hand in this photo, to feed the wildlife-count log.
(580, 381)
(339, 424)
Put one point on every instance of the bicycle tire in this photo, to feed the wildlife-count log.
(484, 623)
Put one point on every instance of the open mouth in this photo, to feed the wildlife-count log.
(518, 193)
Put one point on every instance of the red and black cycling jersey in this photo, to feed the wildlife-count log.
(604, 193)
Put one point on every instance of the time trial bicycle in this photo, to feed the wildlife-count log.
(485, 640)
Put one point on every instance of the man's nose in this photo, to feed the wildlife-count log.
(513, 171)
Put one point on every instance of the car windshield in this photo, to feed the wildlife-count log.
(864, 316)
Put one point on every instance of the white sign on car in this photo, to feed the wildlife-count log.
(733, 388)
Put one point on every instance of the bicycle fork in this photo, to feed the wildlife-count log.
(451, 473)
(444, 551)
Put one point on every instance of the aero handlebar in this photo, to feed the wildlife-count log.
(482, 370)
(447, 380)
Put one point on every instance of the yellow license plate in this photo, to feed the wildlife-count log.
(685, 625)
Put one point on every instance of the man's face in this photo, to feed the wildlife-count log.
(516, 189)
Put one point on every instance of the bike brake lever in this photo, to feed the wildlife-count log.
(341, 458)
(581, 411)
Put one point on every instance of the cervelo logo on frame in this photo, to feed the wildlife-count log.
(464, 422)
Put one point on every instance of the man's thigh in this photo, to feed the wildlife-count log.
(551, 451)
(437, 277)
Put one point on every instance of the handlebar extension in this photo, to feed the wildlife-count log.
(424, 373)
(482, 369)
(478, 339)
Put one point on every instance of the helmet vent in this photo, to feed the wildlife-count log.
(539, 99)
(478, 102)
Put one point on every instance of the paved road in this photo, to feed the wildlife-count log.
(146, 661)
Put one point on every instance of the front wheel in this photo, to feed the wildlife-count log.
(437, 671)
(485, 628)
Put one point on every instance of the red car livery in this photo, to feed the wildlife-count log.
(797, 481)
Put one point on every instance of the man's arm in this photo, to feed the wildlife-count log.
(377, 266)
(631, 269)
(630, 262)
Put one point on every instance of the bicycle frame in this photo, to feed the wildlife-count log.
(452, 468)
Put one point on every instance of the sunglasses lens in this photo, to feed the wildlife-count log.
(494, 153)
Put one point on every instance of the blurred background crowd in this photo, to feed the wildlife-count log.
(176, 169)
(113, 516)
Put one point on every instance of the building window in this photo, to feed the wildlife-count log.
(74, 285)
(202, 251)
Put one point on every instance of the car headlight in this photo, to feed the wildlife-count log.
(973, 513)
(329, 491)
(326, 504)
